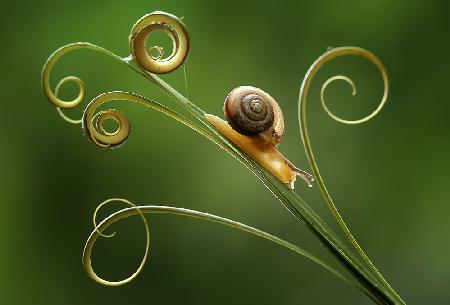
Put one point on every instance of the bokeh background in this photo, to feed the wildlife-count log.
(389, 177)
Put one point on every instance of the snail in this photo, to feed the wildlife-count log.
(255, 124)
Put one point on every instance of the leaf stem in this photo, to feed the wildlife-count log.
(155, 209)
(307, 144)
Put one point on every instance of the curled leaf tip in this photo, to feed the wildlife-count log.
(163, 22)
(155, 209)
(98, 231)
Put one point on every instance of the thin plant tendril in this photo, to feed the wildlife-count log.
(94, 216)
(134, 210)
(185, 80)
(93, 123)
(305, 137)
(159, 52)
(174, 28)
(324, 104)
(87, 264)
(60, 112)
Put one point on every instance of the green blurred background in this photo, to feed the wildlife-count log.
(390, 177)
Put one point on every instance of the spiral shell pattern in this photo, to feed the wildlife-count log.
(251, 111)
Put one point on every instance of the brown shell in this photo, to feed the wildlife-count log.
(251, 111)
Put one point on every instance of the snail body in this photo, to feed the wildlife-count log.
(255, 124)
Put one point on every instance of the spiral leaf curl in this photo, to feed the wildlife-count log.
(328, 111)
(329, 55)
(155, 209)
(87, 263)
(93, 122)
(174, 28)
(48, 68)
(58, 109)
(156, 21)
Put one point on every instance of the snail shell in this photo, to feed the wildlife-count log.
(256, 125)
(251, 111)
